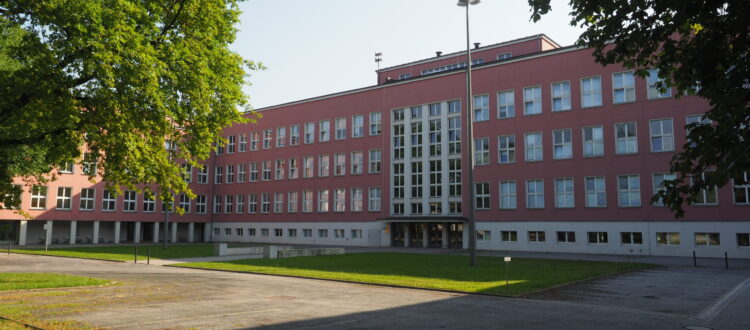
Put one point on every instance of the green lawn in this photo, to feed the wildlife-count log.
(445, 272)
(23, 281)
(125, 253)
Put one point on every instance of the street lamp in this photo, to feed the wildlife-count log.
(470, 137)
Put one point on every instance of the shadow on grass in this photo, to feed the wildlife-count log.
(125, 253)
(444, 272)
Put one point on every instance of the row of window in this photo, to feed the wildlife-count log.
(626, 238)
(661, 139)
(623, 91)
(295, 201)
(291, 168)
(305, 134)
(290, 232)
(108, 201)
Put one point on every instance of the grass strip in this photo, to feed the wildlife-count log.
(442, 272)
(125, 253)
(24, 281)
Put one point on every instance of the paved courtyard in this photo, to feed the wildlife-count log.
(152, 296)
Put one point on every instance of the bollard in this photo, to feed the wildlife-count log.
(148, 257)
(9, 243)
(135, 254)
(695, 262)
(726, 261)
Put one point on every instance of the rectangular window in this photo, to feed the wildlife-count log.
(67, 168)
(373, 199)
(484, 235)
(228, 204)
(252, 203)
(532, 100)
(253, 172)
(535, 194)
(415, 112)
(357, 162)
(185, 203)
(109, 201)
(591, 92)
(292, 202)
(356, 196)
(339, 200)
(323, 165)
(564, 194)
(436, 178)
(87, 199)
(278, 202)
(741, 189)
(626, 138)
(375, 123)
(293, 169)
(280, 169)
(309, 133)
(482, 195)
(130, 198)
(454, 135)
(662, 135)
(507, 194)
(149, 202)
(436, 137)
(227, 231)
(323, 233)
(217, 204)
(231, 143)
(339, 164)
(203, 174)
(200, 204)
(657, 88)
(264, 232)
(398, 180)
(356, 233)
(308, 167)
(657, 181)
(307, 201)
(339, 233)
(631, 238)
(623, 87)
(187, 172)
(481, 108)
(398, 141)
(506, 149)
(454, 177)
(666, 238)
(64, 198)
(323, 200)
(508, 236)
(265, 203)
(374, 161)
(239, 231)
(254, 140)
(596, 195)
(325, 131)
(629, 190)
(292, 232)
(267, 137)
(566, 237)
(294, 135)
(593, 141)
(307, 233)
(230, 173)
(536, 236)
(89, 164)
(506, 104)
(597, 237)
(278, 232)
(241, 173)
(218, 174)
(533, 143)
(243, 142)
(707, 239)
(280, 137)
(743, 239)
(561, 96)
(340, 128)
(435, 109)
(562, 144)
(482, 151)
(358, 126)
(416, 139)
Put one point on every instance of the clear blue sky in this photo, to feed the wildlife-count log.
(318, 47)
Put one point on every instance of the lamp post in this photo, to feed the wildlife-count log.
(470, 137)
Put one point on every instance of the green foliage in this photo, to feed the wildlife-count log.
(115, 79)
(443, 272)
(125, 253)
(693, 44)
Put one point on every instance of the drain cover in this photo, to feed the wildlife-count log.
(697, 327)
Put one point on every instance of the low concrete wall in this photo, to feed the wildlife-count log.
(274, 251)
(310, 252)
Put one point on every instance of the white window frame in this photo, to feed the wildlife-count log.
(532, 100)
(560, 91)
(506, 104)
(591, 92)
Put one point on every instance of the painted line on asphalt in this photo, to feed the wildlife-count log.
(711, 311)
(139, 324)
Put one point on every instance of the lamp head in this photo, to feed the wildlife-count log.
(463, 3)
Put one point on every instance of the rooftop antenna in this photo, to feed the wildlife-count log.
(378, 58)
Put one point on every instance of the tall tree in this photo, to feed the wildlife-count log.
(700, 48)
(113, 80)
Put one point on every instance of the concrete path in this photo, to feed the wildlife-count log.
(153, 297)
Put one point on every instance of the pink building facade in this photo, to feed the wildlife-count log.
(568, 155)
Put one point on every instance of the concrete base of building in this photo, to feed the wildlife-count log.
(53, 232)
